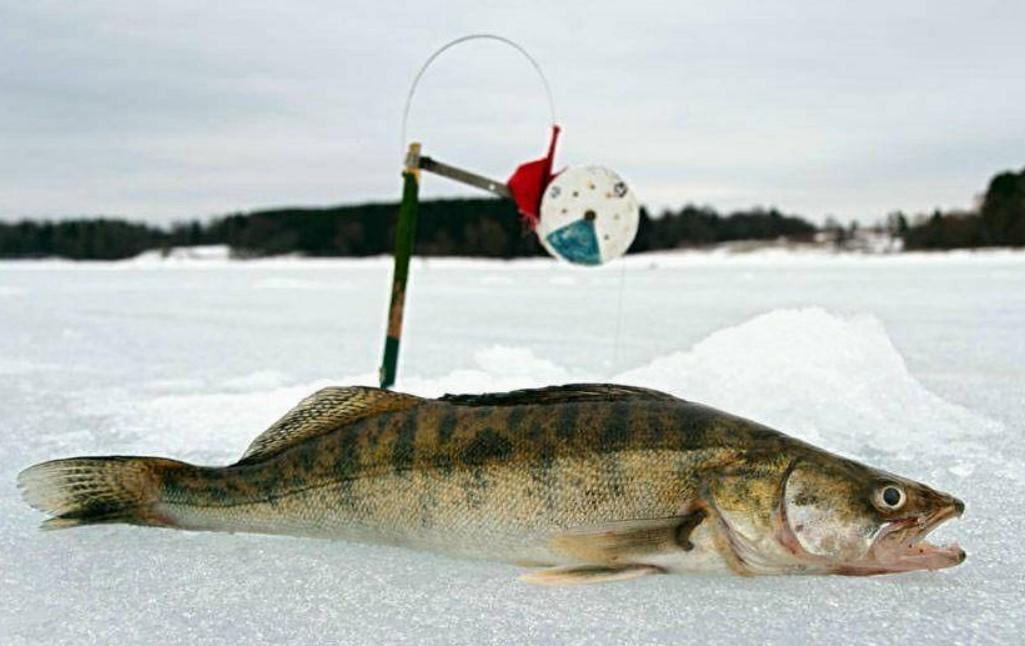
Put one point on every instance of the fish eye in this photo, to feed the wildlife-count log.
(891, 497)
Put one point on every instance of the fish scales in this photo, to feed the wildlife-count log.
(443, 466)
(601, 482)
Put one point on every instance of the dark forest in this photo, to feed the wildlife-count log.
(488, 228)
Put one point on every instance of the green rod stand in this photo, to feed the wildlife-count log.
(405, 232)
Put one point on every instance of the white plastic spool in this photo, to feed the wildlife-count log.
(589, 216)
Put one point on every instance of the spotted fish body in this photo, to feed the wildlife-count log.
(597, 482)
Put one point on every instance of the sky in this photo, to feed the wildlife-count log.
(164, 111)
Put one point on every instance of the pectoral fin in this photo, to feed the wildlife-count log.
(580, 574)
(629, 541)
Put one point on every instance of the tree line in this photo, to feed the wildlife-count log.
(448, 227)
(486, 228)
(999, 220)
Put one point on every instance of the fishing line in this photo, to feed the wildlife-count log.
(619, 315)
(407, 108)
(458, 41)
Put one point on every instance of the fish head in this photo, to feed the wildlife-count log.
(840, 516)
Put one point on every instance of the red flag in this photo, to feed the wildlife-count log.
(527, 184)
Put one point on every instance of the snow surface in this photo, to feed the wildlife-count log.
(913, 363)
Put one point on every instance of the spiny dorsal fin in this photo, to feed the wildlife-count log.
(559, 395)
(322, 412)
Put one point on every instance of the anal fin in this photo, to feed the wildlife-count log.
(581, 574)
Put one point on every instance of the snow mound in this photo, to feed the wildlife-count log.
(829, 379)
(498, 368)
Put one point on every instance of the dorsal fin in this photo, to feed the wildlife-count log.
(322, 412)
(559, 395)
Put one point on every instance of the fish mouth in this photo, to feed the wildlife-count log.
(900, 545)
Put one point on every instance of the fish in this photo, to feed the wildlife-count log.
(581, 483)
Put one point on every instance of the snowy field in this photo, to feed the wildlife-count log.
(911, 363)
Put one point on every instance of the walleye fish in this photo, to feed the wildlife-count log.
(589, 482)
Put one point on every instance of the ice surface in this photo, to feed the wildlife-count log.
(913, 363)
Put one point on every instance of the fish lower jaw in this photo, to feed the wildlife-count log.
(921, 555)
(924, 557)
(948, 555)
(901, 547)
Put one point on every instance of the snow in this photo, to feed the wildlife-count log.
(913, 362)
(204, 253)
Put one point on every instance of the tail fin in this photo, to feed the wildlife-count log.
(83, 491)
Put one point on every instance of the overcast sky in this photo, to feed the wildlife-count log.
(171, 110)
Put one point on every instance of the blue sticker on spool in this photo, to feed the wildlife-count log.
(577, 242)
